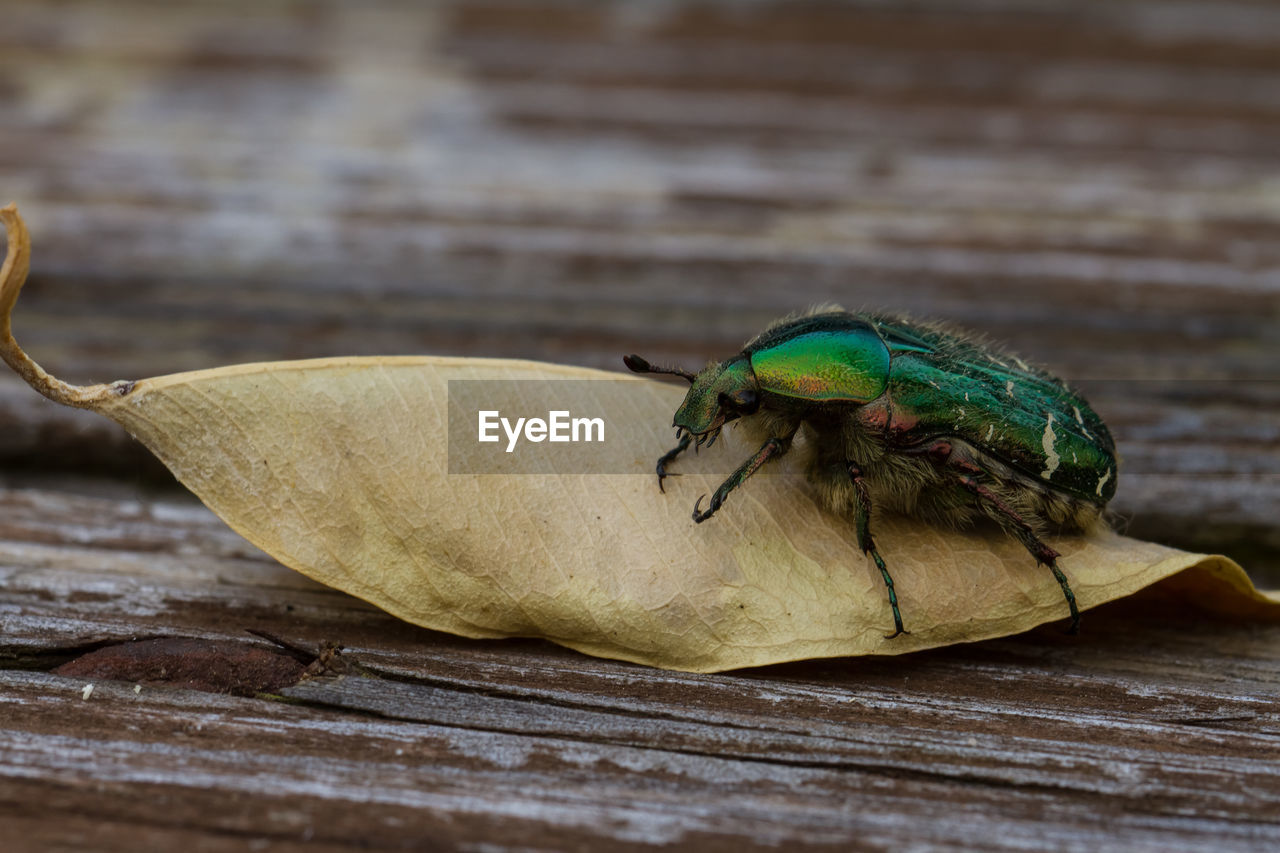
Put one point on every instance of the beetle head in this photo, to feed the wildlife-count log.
(721, 392)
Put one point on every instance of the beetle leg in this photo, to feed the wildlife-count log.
(1024, 533)
(967, 473)
(668, 457)
(862, 521)
(771, 448)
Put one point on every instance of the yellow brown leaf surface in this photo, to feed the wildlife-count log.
(339, 468)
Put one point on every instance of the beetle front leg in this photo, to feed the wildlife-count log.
(669, 457)
(771, 448)
(862, 522)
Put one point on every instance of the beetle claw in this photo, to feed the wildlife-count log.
(669, 456)
(698, 515)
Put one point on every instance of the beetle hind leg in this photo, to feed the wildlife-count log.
(862, 521)
(966, 473)
(1017, 526)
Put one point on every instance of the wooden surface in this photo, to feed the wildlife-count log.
(1096, 184)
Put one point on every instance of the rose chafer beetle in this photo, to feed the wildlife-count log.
(911, 417)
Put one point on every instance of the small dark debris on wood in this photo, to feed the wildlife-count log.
(213, 666)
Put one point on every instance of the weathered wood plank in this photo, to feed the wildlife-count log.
(450, 780)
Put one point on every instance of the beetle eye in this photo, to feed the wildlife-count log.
(744, 401)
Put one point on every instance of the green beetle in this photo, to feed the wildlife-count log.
(911, 417)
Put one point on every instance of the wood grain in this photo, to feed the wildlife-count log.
(1096, 184)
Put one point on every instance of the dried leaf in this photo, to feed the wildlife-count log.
(338, 468)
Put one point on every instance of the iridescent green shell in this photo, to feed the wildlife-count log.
(824, 358)
(926, 383)
(942, 385)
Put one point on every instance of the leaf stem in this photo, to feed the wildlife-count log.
(17, 262)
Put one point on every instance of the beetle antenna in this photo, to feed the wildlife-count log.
(636, 364)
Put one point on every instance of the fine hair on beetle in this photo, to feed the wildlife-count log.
(918, 418)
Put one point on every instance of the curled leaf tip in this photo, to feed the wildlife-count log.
(14, 272)
(17, 263)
